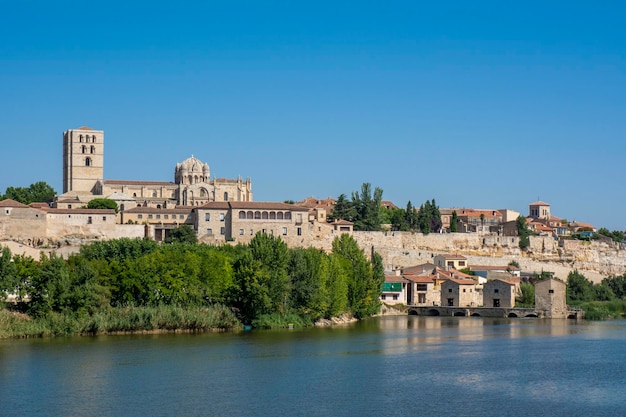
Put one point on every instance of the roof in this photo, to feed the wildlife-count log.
(506, 281)
(12, 203)
(421, 268)
(420, 279)
(539, 203)
(462, 281)
(478, 213)
(342, 222)
(493, 268)
(394, 278)
(150, 210)
(131, 182)
(388, 204)
(120, 197)
(313, 202)
(220, 205)
(265, 205)
(79, 211)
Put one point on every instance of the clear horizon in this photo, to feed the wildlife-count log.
(485, 106)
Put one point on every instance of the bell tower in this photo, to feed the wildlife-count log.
(83, 159)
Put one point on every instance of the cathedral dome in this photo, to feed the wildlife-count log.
(192, 171)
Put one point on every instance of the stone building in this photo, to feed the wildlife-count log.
(550, 297)
(83, 179)
(499, 293)
(459, 293)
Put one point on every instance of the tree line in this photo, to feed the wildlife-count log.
(262, 278)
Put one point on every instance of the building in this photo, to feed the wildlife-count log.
(83, 180)
(539, 210)
(550, 297)
(457, 292)
(499, 293)
(449, 261)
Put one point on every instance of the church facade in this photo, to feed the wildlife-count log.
(83, 180)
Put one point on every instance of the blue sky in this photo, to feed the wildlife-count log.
(475, 104)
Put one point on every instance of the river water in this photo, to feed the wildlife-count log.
(388, 366)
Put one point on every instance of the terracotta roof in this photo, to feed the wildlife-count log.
(84, 128)
(427, 267)
(539, 203)
(506, 281)
(388, 204)
(493, 268)
(130, 182)
(39, 205)
(12, 203)
(462, 281)
(151, 210)
(394, 278)
(424, 279)
(477, 213)
(79, 211)
(220, 205)
(313, 202)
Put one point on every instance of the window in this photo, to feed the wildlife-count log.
(69, 206)
(166, 216)
(84, 149)
(422, 287)
(93, 149)
(551, 291)
(497, 291)
(140, 216)
(496, 302)
(449, 289)
(284, 231)
(104, 218)
(188, 217)
(222, 230)
(464, 290)
(89, 220)
(383, 296)
(421, 298)
(149, 216)
(395, 296)
(221, 217)
(461, 263)
(225, 196)
(450, 302)
(209, 231)
(207, 217)
(158, 216)
(154, 194)
(87, 162)
(240, 232)
(181, 216)
(251, 232)
(299, 231)
(242, 215)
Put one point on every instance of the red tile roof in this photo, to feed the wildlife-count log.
(12, 203)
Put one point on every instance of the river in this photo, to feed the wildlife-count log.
(388, 366)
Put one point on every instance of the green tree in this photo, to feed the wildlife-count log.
(367, 207)
(454, 222)
(342, 210)
(182, 234)
(579, 288)
(102, 203)
(273, 254)
(250, 297)
(410, 217)
(37, 192)
(523, 232)
(8, 273)
(526, 296)
(617, 285)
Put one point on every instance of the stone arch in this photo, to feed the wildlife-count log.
(87, 162)
(531, 315)
(512, 315)
(288, 215)
(257, 215)
(433, 312)
(412, 312)
(279, 215)
(249, 215)
(272, 215)
(459, 314)
(242, 214)
(475, 315)
(264, 215)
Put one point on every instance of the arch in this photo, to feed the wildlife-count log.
(225, 196)
(459, 314)
(412, 312)
(93, 139)
(84, 149)
(433, 312)
(475, 315)
(195, 179)
(87, 162)
(531, 315)
(257, 215)
(512, 315)
(288, 215)
(158, 206)
(93, 149)
(272, 215)
(121, 207)
(242, 214)
(264, 215)
(80, 138)
(279, 215)
(190, 179)
(203, 192)
(572, 316)
(249, 215)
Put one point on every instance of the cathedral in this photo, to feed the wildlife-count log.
(83, 180)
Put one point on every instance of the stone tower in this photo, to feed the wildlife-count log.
(83, 159)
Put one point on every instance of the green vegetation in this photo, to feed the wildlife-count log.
(526, 298)
(138, 285)
(600, 301)
(39, 192)
(102, 203)
(523, 232)
(615, 235)
(182, 234)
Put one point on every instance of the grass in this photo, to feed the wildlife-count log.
(279, 321)
(603, 310)
(115, 320)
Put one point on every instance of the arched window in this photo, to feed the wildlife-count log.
(264, 215)
(87, 162)
(272, 215)
(87, 138)
(84, 149)
(121, 207)
(249, 215)
(279, 215)
(288, 215)
(93, 149)
(81, 138)
(203, 192)
(242, 214)
(225, 196)
(154, 194)
(257, 214)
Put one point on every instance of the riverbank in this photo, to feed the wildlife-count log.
(118, 321)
